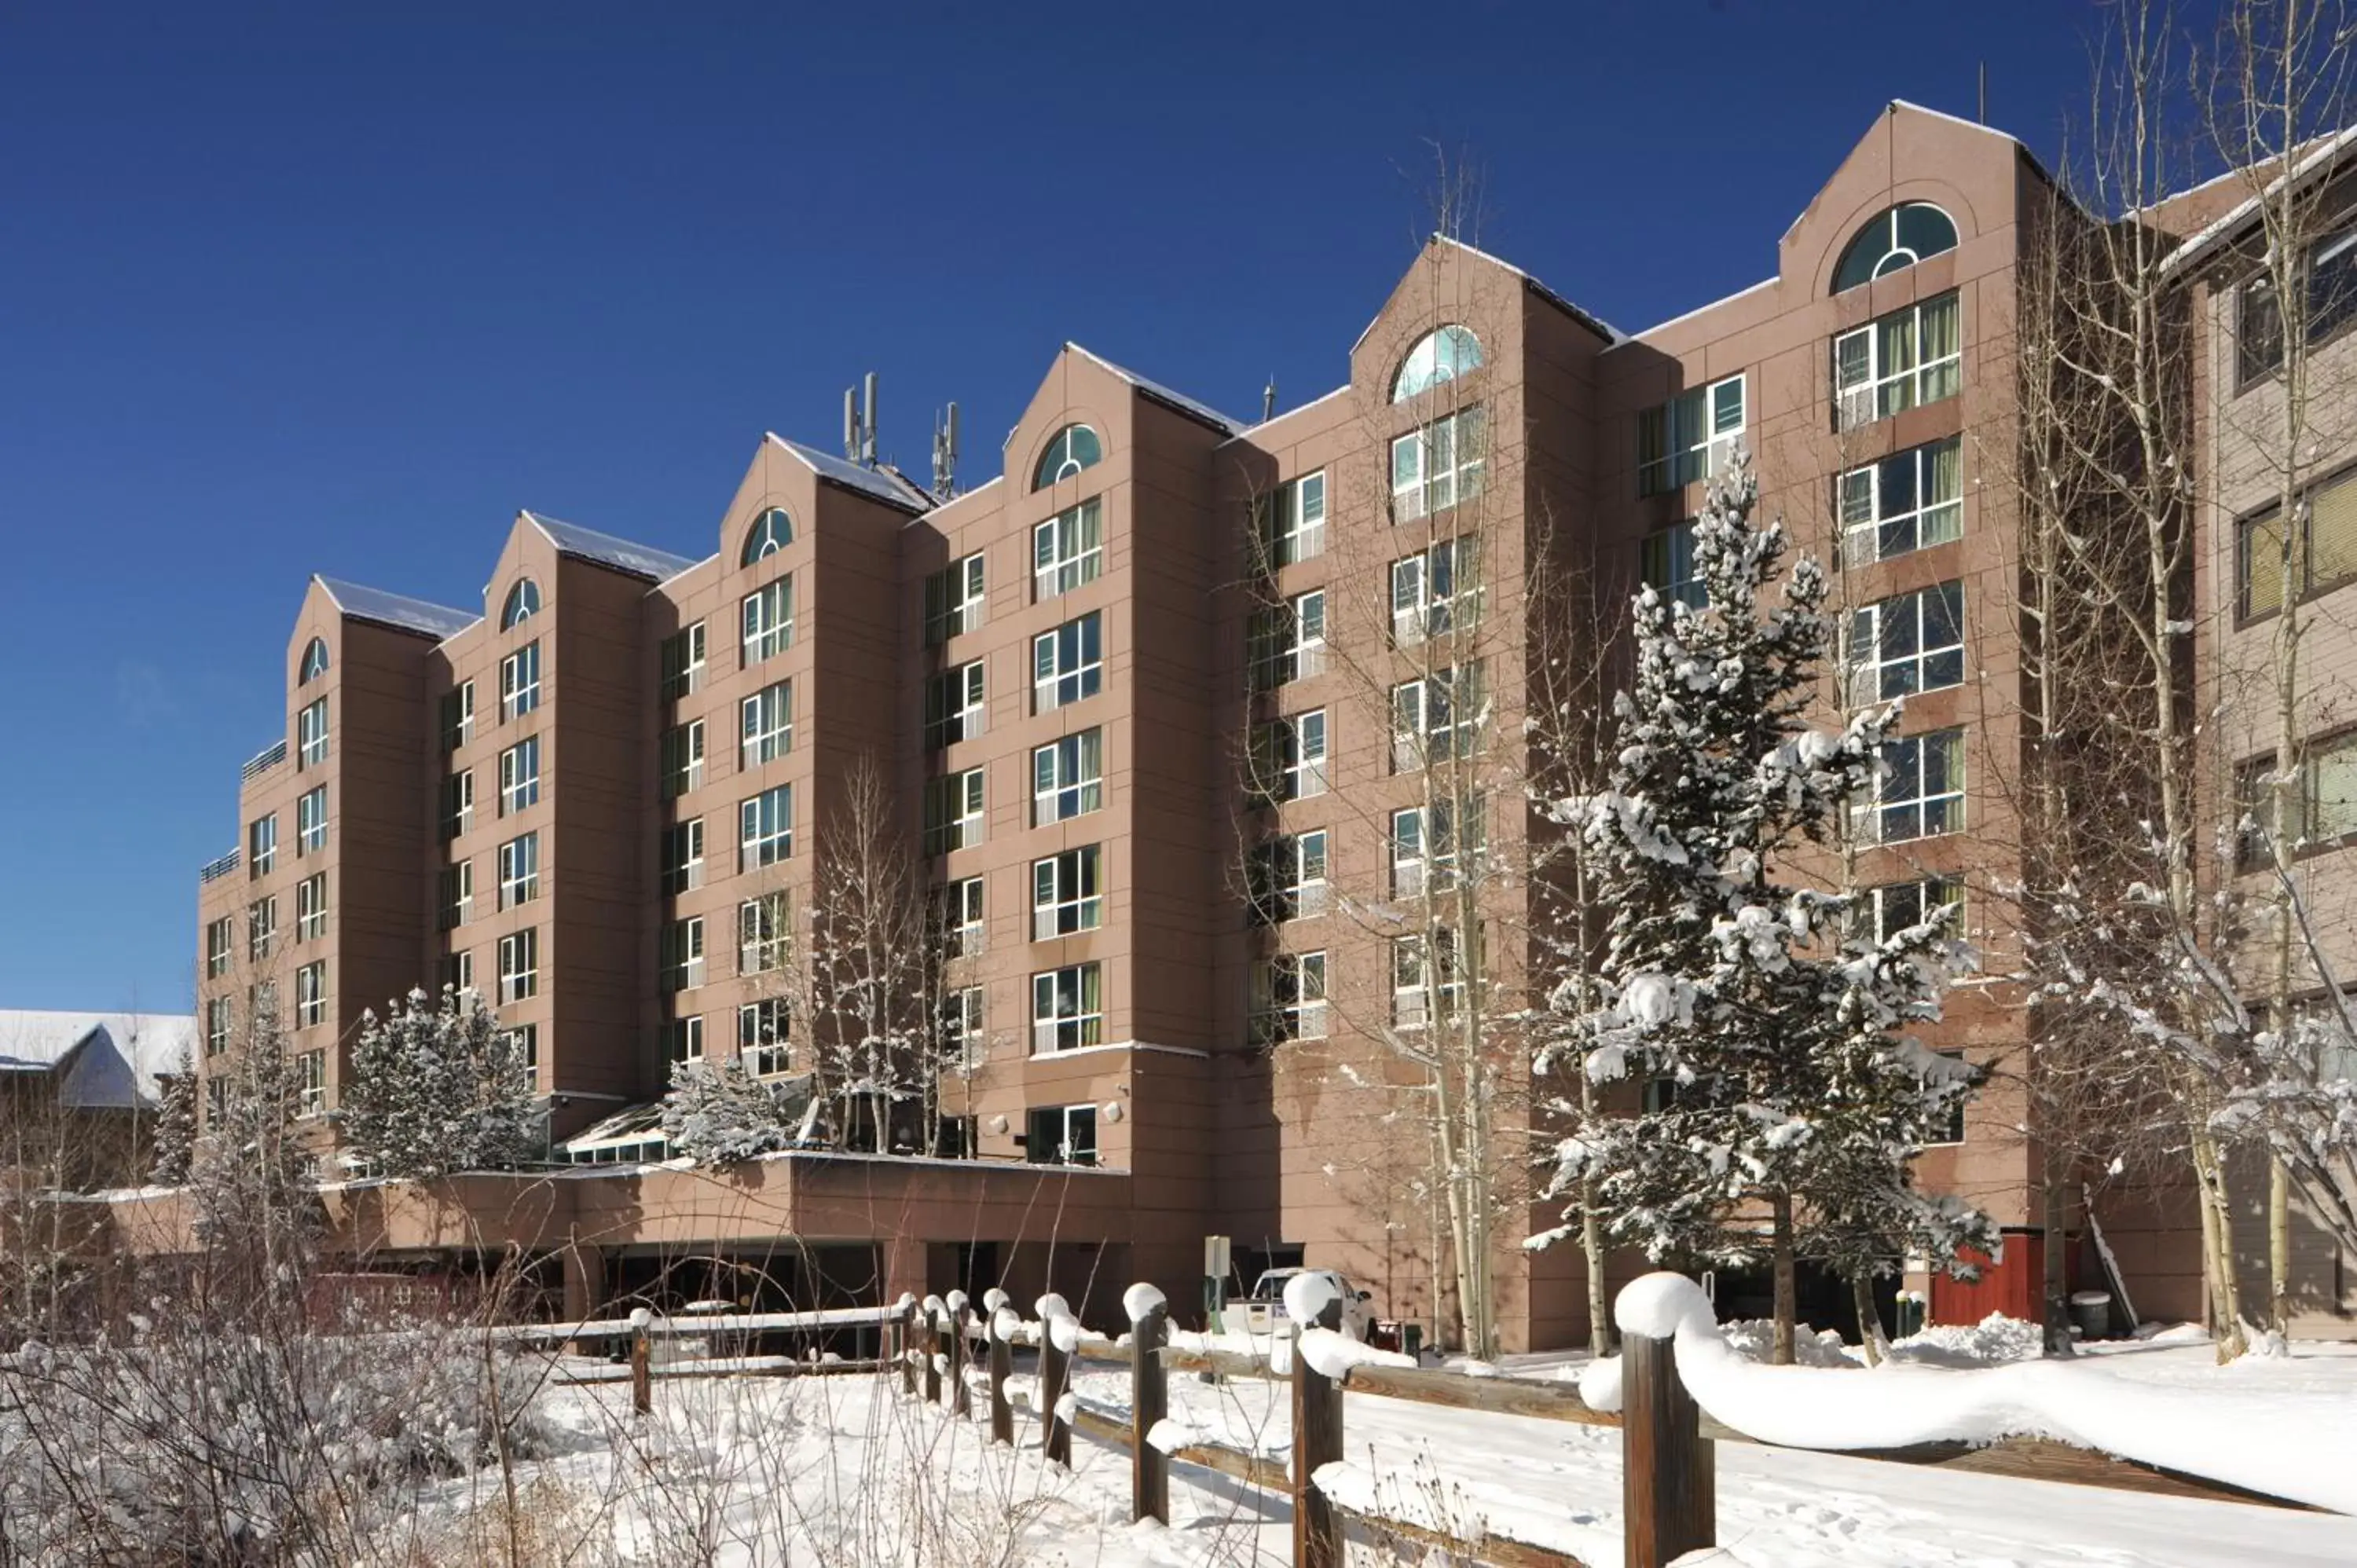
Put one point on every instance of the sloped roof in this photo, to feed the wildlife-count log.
(2321, 158)
(607, 550)
(106, 1060)
(1179, 403)
(887, 487)
(396, 610)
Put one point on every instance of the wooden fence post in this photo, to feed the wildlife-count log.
(642, 1391)
(1002, 1361)
(1668, 1488)
(908, 1344)
(930, 1344)
(1055, 1379)
(1149, 1402)
(961, 1352)
(1316, 1440)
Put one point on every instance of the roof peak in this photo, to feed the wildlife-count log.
(402, 613)
(887, 485)
(608, 549)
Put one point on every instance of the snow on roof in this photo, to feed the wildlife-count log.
(1589, 320)
(1914, 107)
(943, 503)
(106, 1060)
(1288, 413)
(1179, 402)
(396, 610)
(889, 489)
(2322, 160)
(631, 1124)
(589, 545)
(1698, 310)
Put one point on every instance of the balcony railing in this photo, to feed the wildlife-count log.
(265, 759)
(218, 868)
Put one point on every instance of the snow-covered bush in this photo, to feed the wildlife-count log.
(438, 1089)
(718, 1112)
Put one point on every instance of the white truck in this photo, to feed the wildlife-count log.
(1262, 1312)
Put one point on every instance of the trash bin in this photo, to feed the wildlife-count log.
(1910, 1305)
(2091, 1310)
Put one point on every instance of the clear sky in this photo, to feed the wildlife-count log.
(297, 288)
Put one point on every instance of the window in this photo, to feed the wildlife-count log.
(2331, 304)
(2321, 808)
(682, 663)
(216, 1026)
(1908, 501)
(459, 715)
(311, 907)
(519, 776)
(1287, 878)
(2258, 332)
(520, 682)
(1436, 591)
(1289, 758)
(1953, 1133)
(1432, 845)
(311, 822)
(315, 662)
(523, 603)
(1923, 793)
(1896, 238)
(2323, 556)
(680, 964)
(761, 1035)
(682, 857)
(1666, 563)
(1060, 1135)
(519, 871)
(955, 705)
(768, 725)
(311, 994)
(953, 599)
(260, 845)
(1068, 778)
(953, 811)
(519, 966)
(1902, 360)
(1287, 641)
(1428, 978)
(1293, 522)
(216, 1101)
(459, 972)
(771, 533)
(457, 899)
(1439, 465)
(962, 1041)
(767, 617)
(1068, 451)
(1068, 1008)
(523, 1040)
(765, 828)
(1067, 894)
(457, 804)
(684, 1039)
(683, 759)
(1912, 643)
(311, 735)
(311, 1076)
(761, 933)
(1881, 913)
(1067, 550)
(1689, 438)
(260, 928)
(961, 918)
(1067, 664)
(1437, 717)
(1437, 357)
(220, 945)
(1289, 998)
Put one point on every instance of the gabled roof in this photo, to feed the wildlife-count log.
(2322, 158)
(396, 610)
(1897, 104)
(887, 487)
(103, 1060)
(1178, 403)
(1605, 329)
(589, 545)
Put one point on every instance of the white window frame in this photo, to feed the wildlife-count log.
(683, 759)
(764, 926)
(948, 831)
(1939, 896)
(519, 965)
(1429, 847)
(311, 821)
(219, 1023)
(1440, 694)
(1859, 502)
(459, 968)
(519, 870)
(311, 1078)
(455, 911)
(1289, 998)
(520, 682)
(311, 994)
(1296, 531)
(261, 845)
(962, 924)
(954, 599)
(1697, 432)
(1904, 791)
(683, 662)
(260, 928)
(957, 705)
(765, 1057)
(1067, 550)
(963, 1043)
(766, 725)
(457, 804)
(1068, 893)
(311, 733)
(680, 964)
(1054, 684)
(1062, 1018)
(683, 872)
(1878, 391)
(1874, 677)
(765, 828)
(520, 787)
(1050, 786)
(1068, 1151)
(1416, 980)
(683, 1038)
(766, 619)
(1419, 609)
(459, 715)
(311, 907)
(1301, 869)
(221, 946)
(1429, 469)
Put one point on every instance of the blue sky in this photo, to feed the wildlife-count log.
(299, 288)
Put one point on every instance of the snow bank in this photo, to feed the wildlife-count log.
(1754, 1340)
(1993, 1339)
(1333, 1355)
(1141, 1301)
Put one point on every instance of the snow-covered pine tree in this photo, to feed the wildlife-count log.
(175, 1143)
(719, 1111)
(1764, 1029)
(438, 1089)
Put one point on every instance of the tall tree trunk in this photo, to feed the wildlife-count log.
(1600, 1339)
(1787, 1286)
(2278, 1245)
(1869, 1322)
(2054, 1219)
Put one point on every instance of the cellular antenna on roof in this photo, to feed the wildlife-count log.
(945, 453)
(1268, 401)
(859, 423)
(1983, 92)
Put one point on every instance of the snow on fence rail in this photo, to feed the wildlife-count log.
(662, 1326)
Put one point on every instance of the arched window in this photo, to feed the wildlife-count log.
(315, 662)
(771, 533)
(1074, 448)
(1895, 238)
(1437, 357)
(524, 603)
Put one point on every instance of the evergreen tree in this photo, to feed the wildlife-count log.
(176, 1129)
(1763, 1027)
(439, 1089)
(719, 1111)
